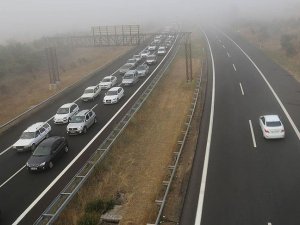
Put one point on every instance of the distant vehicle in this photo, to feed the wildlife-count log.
(132, 61)
(125, 68)
(81, 121)
(131, 77)
(65, 112)
(151, 59)
(161, 50)
(145, 53)
(271, 127)
(113, 95)
(108, 82)
(157, 41)
(32, 136)
(152, 47)
(48, 151)
(91, 93)
(142, 70)
(138, 58)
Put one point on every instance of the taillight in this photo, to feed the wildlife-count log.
(267, 131)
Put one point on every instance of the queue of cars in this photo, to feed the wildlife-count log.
(47, 149)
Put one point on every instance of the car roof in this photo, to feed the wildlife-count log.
(35, 127)
(130, 72)
(50, 140)
(67, 105)
(82, 112)
(151, 55)
(269, 118)
(114, 89)
(110, 76)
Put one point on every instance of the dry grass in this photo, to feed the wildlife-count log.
(271, 46)
(138, 161)
(18, 93)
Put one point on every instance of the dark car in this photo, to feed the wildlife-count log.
(46, 153)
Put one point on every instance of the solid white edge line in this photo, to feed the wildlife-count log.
(234, 67)
(12, 176)
(270, 87)
(252, 134)
(95, 106)
(86, 147)
(242, 90)
(208, 143)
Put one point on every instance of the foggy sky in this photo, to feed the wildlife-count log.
(27, 19)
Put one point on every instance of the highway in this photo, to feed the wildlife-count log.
(238, 176)
(23, 195)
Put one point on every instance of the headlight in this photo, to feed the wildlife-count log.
(43, 164)
(65, 118)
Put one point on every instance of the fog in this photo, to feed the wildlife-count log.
(25, 20)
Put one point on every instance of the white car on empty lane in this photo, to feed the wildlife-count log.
(113, 95)
(108, 82)
(91, 93)
(271, 127)
(65, 112)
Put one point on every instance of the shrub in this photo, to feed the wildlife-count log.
(288, 43)
(99, 206)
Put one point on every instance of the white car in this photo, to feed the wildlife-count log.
(161, 50)
(32, 136)
(151, 59)
(131, 77)
(133, 62)
(138, 58)
(271, 127)
(65, 112)
(142, 70)
(108, 82)
(152, 47)
(123, 69)
(145, 53)
(91, 93)
(113, 95)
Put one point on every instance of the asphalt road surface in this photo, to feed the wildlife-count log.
(18, 188)
(245, 179)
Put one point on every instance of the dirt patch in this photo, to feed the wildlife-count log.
(20, 92)
(138, 162)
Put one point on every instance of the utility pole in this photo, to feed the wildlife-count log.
(188, 57)
(52, 67)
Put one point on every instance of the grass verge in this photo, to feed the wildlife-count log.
(20, 92)
(139, 160)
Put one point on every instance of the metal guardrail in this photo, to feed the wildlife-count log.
(65, 196)
(172, 168)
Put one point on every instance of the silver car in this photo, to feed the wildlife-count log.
(81, 121)
(142, 70)
(131, 77)
(126, 67)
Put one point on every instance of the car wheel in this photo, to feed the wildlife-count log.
(95, 120)
(69, 120)
(84, 130)
(32, 147)
(51, 165)
(66, 148)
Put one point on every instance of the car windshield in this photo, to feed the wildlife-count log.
(106, 80)
(63, 111)
(131, 60)
(151, 57)
(112, 93)
(141, 67)
(273, 124)
(27, 135)
(42, 151)
(128, 76)
(77, 119)
(87, 91)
